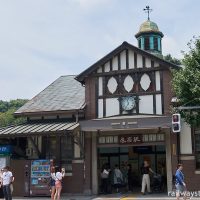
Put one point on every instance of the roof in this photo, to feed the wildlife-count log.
(64, 94)
(29, 129)
(149, 27)
(125, 45)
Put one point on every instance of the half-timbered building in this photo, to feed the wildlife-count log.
(117, 111)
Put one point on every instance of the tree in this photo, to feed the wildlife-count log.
(169, 58)
(7, 108)
(186, 82)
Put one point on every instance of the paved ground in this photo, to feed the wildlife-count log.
(109, 197)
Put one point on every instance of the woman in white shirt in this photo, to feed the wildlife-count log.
(58, 184)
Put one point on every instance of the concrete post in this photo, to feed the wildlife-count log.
(94, 164)
(168, 160)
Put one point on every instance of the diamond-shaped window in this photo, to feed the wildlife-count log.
(128, 83)
(112, 85)
(145, 82)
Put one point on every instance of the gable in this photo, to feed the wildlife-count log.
(125, 57)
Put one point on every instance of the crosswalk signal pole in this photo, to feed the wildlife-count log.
(176, 128)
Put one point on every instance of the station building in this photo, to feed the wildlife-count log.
(117, 111)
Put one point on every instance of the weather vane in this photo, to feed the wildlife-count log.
(147, 10)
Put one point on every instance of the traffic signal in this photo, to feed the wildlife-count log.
(176, 123)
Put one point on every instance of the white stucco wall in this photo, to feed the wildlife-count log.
(185, 139)
(131, 59)
(146, 104)
(112, 107)
(115, 63)
(107, 67)
(139, 61)
(100, 108)
(148, 62)
(100, 86)
(158, 104)
(157, 80)
(123, 60)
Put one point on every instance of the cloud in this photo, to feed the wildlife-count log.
(91, 4)
(42, 40)
(171, 46)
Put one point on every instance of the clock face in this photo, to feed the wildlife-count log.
(128, 103)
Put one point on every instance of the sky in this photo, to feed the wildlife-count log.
(41, 40)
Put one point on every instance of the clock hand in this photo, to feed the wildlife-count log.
(127, 102)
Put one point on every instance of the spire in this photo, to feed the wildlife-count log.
(147, 10)
(149, 36)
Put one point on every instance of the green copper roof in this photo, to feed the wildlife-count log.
(149, 27)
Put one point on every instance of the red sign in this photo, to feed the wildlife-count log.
(130, 139)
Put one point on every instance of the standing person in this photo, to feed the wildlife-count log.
(11, 183)
(52, 182)
(58, 182)
(180, 184)
(7, 178)
(1, 186)
(130, 177)
(124, 170)
(105, 178)
(118, 177)
(145, 169)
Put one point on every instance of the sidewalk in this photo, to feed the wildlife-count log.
(109, 197)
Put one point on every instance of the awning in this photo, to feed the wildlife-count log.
(126, 123)
(30, 129)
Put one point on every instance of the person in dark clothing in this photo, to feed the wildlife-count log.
(130, 178)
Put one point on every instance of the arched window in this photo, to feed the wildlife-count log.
(146, 43)
(140, 43)
(156, 43)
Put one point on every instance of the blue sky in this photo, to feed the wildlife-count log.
(41, 40)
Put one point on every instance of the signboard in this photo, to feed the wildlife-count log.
(130, 139)
(5, 150)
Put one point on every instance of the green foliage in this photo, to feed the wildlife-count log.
(186, 82)
(169, 58)
(7, 109)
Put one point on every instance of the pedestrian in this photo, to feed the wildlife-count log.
(58, 182)
(124, 170)
(180, 183)
(145, 170)
(130, 178)
(52, 182)
(7, 178)
(1, 184)
(11, 183)
(118, 177)
(105, 178)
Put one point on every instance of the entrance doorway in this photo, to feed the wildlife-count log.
(134, 156)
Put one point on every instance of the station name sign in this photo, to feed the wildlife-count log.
(130, 139)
